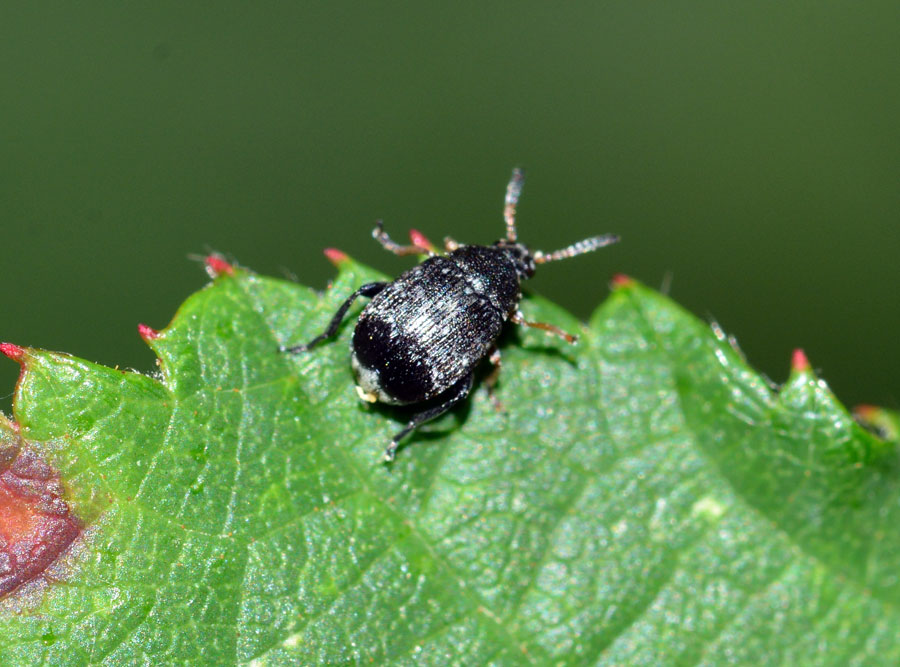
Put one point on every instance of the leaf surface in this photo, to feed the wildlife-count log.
(645, 498)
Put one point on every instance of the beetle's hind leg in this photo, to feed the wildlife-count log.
(369, 290)
(455, 394)
(421, 245)
(491, 380)
(518, 318)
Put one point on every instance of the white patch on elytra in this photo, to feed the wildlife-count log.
(368, 387)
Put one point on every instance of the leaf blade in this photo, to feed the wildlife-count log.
(616, 513)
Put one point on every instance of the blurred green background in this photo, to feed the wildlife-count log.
(748, 154)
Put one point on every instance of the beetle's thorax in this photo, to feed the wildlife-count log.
(493, 272)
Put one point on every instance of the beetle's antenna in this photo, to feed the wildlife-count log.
(513, 192)
(587, 245)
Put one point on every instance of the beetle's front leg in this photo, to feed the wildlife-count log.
(369, 290)
(421, 245)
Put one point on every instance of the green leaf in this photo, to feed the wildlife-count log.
(646, 498)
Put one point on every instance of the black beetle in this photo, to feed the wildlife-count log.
(421, 336)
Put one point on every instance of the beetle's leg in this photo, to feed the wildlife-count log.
(518, 318)
(455, 394)
(494, 358)
(392, 246)
(513, 192)
(369, 289)
(491, 380)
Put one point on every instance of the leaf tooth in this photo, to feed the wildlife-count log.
(216, 265)
(884, 423)
(799, 362)
(13, 351)
(17, 354)
(866, 411)
(622, 281)
(336, 257)
(147, 333)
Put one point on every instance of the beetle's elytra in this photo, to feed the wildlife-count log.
(421, 336)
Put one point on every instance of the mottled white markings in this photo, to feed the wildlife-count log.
(367, 385)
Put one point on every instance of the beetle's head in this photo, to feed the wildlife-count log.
(519, 255)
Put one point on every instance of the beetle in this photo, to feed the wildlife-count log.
(421, 336)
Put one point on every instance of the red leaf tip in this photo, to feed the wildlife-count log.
(147, 333)
(799, 362)
(621, 280)
(865, 411)
(421, 241)
(217, 266)
(13, 351)
(335, 256)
